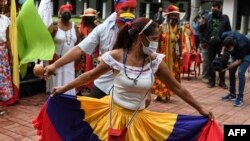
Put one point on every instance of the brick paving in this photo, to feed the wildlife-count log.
(16, 124)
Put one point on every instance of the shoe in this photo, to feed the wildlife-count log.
(2, 111)
(238, 102)
(204, 80)
(223, 85)
(229, 97)
(158, 98)
(211, 85)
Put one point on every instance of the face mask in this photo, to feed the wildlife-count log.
(173, 21)
(66, 16)
(151, 48)
(216, 13)
(126, 17)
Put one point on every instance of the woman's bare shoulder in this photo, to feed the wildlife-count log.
(117, 54)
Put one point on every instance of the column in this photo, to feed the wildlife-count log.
(148, 10)
(230, 9)
(85, 5)
(244, 24)
(104, 7)
(79, 7)
(195, 7)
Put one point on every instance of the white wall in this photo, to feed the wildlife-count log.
(230, 9)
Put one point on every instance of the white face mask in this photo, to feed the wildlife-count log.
(151, 48)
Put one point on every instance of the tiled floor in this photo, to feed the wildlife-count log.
(16, 124)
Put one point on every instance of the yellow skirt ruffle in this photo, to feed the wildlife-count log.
(146, 126)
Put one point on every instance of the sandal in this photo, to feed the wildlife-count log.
(2, 111)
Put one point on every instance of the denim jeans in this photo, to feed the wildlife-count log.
(205, 64)
(241, 73)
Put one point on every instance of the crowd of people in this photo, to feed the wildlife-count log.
(126, 59)
(128, 47)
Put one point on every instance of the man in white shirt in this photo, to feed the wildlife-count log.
(105, 36)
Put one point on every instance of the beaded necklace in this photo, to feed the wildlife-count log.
(125, 68)
(68, 39)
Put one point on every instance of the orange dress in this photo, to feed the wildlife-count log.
(188, 40)
(170, 46)
(189, 53)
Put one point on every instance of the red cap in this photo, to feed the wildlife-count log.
(172, 9)
(66, 6)
(124, 3)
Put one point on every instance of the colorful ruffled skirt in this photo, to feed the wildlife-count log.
(8, 91)
(69, 118)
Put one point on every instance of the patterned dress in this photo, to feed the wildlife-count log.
(6, 87)
(169, 46)
(86, 62)
(189, 53)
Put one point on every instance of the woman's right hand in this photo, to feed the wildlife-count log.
(58, 90)
(49, 70)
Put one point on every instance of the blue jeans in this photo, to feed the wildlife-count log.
(205, 64)
(241, 73)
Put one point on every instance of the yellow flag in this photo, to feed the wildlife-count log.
(13, 42)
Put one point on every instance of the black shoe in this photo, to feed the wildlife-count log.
(158, 98)
(223, 85)
(211, 85)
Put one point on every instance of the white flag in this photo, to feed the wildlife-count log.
(45, 11)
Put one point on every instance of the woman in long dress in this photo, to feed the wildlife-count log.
(7, 95)
(169, 45)
(66, 36)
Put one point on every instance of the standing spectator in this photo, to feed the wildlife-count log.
(188, 39)
(66, 35)
(169, 45)
(211, 29)
(6, 89)
(103, 35)
(203, 50)
(87, 61)
(159, 16)
(195, 27)
(189, 54)
(239, 48)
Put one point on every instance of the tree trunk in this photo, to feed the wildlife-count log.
(195, 8)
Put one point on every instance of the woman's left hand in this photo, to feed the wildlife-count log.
(207, 114)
